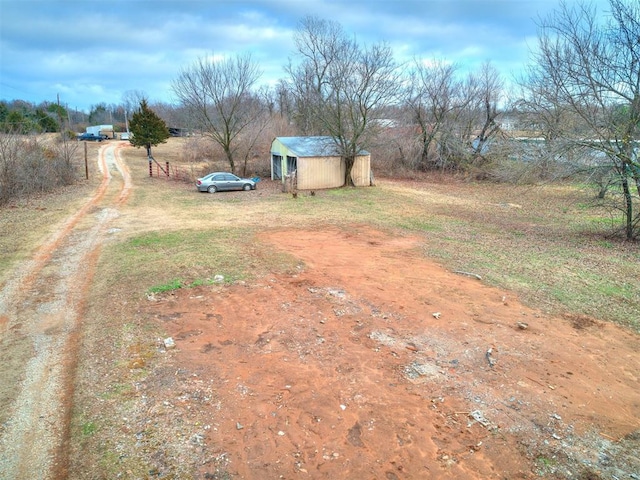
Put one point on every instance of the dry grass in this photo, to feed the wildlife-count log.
(27, 221)
(540, 242)
(543, 243)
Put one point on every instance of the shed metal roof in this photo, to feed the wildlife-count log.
(312, 146)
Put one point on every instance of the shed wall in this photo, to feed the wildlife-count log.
(328, 172)
(278, 148)
(320, 172)
(361, 171)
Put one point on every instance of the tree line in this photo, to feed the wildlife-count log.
(574, 112)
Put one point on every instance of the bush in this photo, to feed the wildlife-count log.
(27, 166)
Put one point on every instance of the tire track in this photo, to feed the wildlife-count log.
(43, 304)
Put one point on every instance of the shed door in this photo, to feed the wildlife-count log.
(276, 166)
(292, 164)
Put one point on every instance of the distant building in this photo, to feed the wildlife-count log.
(177, 132)
(102, 130)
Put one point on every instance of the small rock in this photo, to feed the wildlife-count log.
(169, 343)
(436, 315)
(218, 278)
(239, 426)
(137, 363)
(523, 325)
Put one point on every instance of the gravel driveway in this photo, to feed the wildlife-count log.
(41, 308)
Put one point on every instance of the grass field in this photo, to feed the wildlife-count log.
(541, 242)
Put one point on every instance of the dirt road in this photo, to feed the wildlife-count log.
(41, 309)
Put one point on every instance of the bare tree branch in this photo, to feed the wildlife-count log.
(219, 96)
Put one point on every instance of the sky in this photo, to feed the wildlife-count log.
(85, 53)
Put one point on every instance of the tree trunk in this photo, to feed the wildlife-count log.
(628, 201)
(232, 164)
(425, 163)
(348, 162)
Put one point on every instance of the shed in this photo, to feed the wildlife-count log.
(316, 163)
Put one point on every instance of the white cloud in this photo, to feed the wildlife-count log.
(92, 55)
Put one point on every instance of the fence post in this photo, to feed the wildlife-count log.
(86, 163)
(167, 169)
(150, 168)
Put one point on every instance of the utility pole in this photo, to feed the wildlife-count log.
(62, 129)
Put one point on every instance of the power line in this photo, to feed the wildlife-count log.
(14, 88)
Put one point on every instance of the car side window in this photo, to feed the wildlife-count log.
(230, 178)
(218, 178)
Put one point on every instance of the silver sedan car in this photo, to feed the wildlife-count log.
(221, 181)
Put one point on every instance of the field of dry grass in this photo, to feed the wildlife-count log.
(542, 244)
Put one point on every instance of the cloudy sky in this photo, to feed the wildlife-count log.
(90, 52)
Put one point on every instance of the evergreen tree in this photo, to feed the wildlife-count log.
(45, 122)
(147, 128)
(4, 111)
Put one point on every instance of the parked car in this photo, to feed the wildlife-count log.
(221, 181)
(90, 137)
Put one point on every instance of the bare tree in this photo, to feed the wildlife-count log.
(320, 45)
(489, 92)
(455, 116)
(219, 96)
(131, 100)
(542, 113)
(283, 99)
(434, 98)
(339, 85)
(592, 71)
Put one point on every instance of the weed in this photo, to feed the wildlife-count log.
(117, 390)
(88, 428)
(201, 282)
(175, 284)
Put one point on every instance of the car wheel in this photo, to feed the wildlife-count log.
(247, 187)
(212, 189)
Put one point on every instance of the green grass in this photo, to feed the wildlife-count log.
(163, 261)
(88, 428)
(117, 391)
(167, 287)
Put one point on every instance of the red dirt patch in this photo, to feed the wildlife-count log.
(372, 362)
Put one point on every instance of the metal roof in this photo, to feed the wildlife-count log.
(312, 146)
